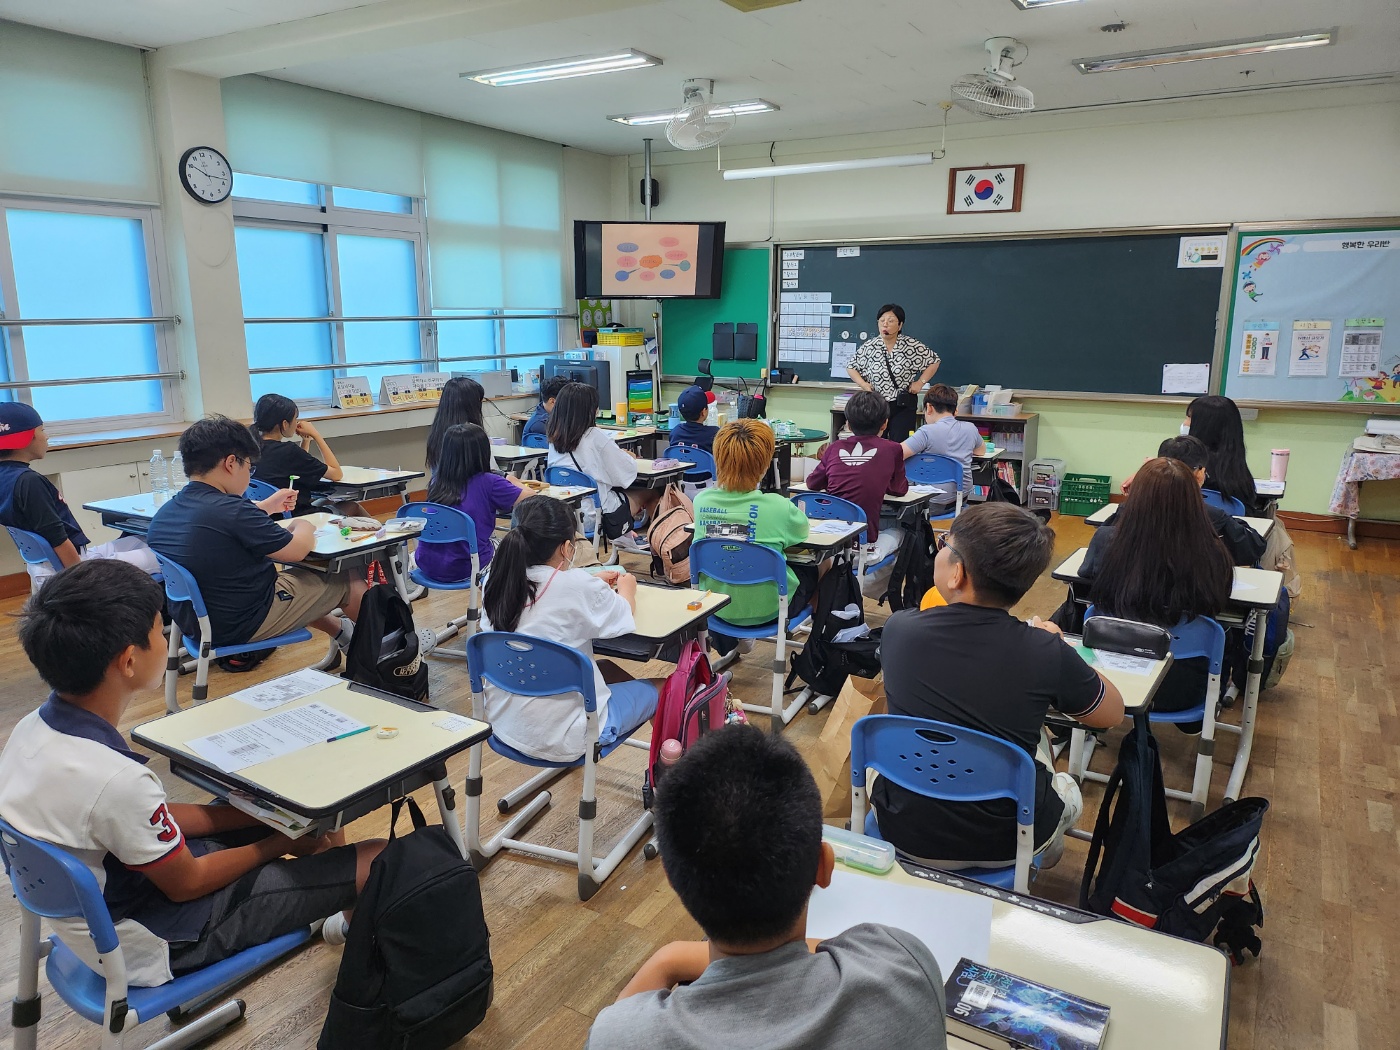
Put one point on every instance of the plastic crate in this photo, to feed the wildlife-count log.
(1047, 471)
(1043, 497)
(1082, 494)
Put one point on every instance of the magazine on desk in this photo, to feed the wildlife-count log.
(1001, 1011)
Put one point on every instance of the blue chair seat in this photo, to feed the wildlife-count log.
(422, 579)
(219, 651)
(506, 751)
(759, 630)
(83, 989)
(1001, 878)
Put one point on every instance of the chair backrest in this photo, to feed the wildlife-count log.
(734, 561)
(180, 585)
(53, 883)
(1228, 504)
(529, 666)
(259, 490)
(929, 469)
(701, 459)
(819, 506)
(1192, 638)
(34, 549)
(442, 524)
(535, 441)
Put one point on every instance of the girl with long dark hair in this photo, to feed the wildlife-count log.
(463, 479)
(460, 402)
(1161, 562)
(1215, 420)
(533, 588)
(286, 440)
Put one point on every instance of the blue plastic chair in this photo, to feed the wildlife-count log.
(34, 549)
(738, 563)
(569, 476)
(51, 883)
(448, 525)
(260, 490)
(929, 469)
(1228, 504)
(1195, 638)
(526, 666)
(953, 764)
(534, 441)
(180, 586)
(704, 462)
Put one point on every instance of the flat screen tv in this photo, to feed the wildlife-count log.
(648, 260)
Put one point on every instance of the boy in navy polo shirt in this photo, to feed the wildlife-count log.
(31, 502)
(694, 407)
(539, 417)
(186, 885)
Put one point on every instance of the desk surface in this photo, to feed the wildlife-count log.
(363, 476)
(329, 543)
(138, 505)
(1272, 489)
(1253, 588)
(646, 470)
(1137, 689)
(1105, 514)
(517, 452)
(912, 498)
(662, 613)
(1161, 991)
(322, 778)
(827, 541)
(981, 452)
(567, 493)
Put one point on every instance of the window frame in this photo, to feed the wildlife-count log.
(167, 353)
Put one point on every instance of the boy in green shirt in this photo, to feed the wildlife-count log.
(743, 453)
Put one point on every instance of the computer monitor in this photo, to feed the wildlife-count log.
(593, 373)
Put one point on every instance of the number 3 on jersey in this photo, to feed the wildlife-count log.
(162, 819)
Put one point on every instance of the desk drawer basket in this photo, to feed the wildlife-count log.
(1082, 494)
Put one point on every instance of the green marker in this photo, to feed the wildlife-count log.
(353, 732)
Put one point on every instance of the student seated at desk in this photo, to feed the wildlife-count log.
(538, 423)
(285, 441)
(460, 402)
(971, 663)
(186, 885)
(743, 453)
(533, 588)
(1161, 561)
(229, 544)
(864, 468)
(1216, 421)
(575, 442)
(739, 820)
(694, 406)
(943, 434)
(464, 480)
(31, 502)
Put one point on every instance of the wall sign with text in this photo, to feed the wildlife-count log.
(993, 188)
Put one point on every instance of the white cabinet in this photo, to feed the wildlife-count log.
(94, 483)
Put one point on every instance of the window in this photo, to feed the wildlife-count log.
(307, 253)
(91, 269)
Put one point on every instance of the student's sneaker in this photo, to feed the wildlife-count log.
(631, 541)
(347, 631)
(745, 646)
(334, 929)
(1232, 693)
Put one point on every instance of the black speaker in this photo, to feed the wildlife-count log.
(642, 193)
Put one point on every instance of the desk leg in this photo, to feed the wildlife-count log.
(447, 807)
(1250, 708)
(397, 561)
(1351, 533)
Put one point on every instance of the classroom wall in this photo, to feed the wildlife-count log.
(1222, 161)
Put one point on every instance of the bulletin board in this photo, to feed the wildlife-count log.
(1314, 315)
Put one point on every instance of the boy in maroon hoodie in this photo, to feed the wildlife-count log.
(864, 468)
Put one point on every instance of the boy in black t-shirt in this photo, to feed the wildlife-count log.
(970, 663)
(694, 407)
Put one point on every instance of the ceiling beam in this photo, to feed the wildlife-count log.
(385, 26)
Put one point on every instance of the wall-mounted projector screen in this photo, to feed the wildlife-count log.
(648, 260)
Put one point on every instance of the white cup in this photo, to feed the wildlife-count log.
(1278, 464)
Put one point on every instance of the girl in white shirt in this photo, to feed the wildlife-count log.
(575, 442)
(534, 589)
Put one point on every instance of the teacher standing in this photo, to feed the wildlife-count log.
(896, 367)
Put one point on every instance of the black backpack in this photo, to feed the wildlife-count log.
(416, 973)
(1191, 884)
(824, 663)
(912, 573)
(383, 650)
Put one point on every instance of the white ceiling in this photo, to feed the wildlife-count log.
(834, 66)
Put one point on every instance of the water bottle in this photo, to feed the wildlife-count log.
(160, 476)
(670, 751)
(177, 473)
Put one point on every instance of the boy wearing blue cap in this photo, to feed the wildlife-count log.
(694, 406)
(31, 502)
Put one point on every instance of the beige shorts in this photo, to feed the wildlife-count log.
(300, 596)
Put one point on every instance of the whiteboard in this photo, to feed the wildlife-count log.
(1315, 315)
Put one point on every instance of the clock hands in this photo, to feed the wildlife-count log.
(197, 168)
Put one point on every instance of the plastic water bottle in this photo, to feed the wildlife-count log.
(670, 751)
(177, 473)
(160, 476)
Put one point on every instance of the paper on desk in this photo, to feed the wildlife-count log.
(284, 690)
(1122, 662)
(951, 925)
(293, 825)
(273, 736)
(455, 723)
(1268, 488)
(833, 528)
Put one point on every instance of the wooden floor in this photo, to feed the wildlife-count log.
(1326, 755)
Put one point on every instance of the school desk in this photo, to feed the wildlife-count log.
(516, 458)
(1253, 594)
(821, 545)
(330, 784)
(663, 615)
(1102, 516)
(653, 477)
(634, 438)
(129, 515)
(363, 483)
(915, 497)
(1163, 992)
(332, 552)
(1358, 467)
(1137, 689)
(573, 495)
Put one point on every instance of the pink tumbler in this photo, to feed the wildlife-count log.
(1278, 464)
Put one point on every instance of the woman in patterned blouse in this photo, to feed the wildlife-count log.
(896, 367)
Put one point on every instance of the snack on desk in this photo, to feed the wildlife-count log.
(532, 484)
(356, 524)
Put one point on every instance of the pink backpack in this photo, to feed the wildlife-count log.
(692, 703)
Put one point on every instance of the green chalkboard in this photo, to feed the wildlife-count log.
(688, 324)
(1084, 314)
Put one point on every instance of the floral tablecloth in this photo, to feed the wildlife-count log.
(1356, 468)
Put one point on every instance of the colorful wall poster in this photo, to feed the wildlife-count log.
(1361, 346)
(1312, 341)
(1259, 351)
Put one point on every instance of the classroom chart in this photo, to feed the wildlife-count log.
(1309, 312)
(1120, 313)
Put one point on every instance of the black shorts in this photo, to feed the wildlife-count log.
(276, 898)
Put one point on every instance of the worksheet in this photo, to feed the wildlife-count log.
(284, 690)
(273, 736)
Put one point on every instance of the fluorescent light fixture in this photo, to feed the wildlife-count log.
(828, 165)
(743, 108)
(1031, 5)
(1200, 52)
(564, 68)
